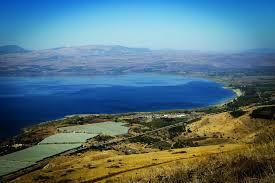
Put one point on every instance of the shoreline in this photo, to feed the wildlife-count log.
(237, 92)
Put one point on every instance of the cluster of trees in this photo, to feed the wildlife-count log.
(264, 113)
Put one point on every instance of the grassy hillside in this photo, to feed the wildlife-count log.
(230, 149)
(101, 166)
(254, 163)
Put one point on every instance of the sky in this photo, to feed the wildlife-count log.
(212, 25)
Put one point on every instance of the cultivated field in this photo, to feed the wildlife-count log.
(24, 158)
(244, 151)
(72, 137)
(67, 138)
(106, 128)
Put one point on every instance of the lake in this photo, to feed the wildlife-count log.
(29, 100)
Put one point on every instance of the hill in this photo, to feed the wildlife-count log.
(10, 49)
(106, 59)
(232, 149)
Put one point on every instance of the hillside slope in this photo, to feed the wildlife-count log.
(241, 129)
(238, 140)
(100, 166)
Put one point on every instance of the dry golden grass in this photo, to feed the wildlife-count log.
(255, 163)
(137, 147)
(223, 125)
(99, 166)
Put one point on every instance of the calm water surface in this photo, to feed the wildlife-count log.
(28, 100)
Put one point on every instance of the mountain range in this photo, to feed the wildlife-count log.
(8, 49)
(115, 59)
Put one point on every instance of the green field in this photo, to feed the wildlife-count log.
(72, 137)
(7, 166)
(67, 138)
(106, 128)
(26, 157)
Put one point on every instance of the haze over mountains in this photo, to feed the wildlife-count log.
(7, 49)
(106, 59)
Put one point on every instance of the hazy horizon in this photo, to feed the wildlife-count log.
(152, 49)
(208, 25)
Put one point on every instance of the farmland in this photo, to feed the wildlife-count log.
(27, 157)
(58, 143)
(64, 138)
(106, 128)
(156, 141)
(143, 162)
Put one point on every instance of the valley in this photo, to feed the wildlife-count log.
(137, 91)
(222, 136)
(174, 141)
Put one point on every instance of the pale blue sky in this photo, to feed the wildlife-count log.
(202, 24)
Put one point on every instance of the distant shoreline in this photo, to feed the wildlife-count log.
(237, 92)
(227, 100)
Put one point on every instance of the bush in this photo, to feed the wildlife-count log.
(264, 112)
(144, 139)
(237, 113)
(102, 138)
(162, 145)
(183, 143)
(175, 131)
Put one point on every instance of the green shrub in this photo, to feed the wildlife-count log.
(237, 113)
(264, 112)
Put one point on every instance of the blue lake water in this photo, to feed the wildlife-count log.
(29, 100)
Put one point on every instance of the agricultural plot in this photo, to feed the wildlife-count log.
(7, 166)
(67, 138)
(26, 157)
(72, 137)
(106, 128)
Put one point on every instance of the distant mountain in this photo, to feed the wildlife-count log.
(11, 49)
(261, 50)
(114, 59)
(99, 50)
